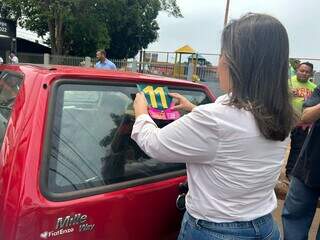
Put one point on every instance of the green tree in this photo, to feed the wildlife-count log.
(9, 10)
(79, 27)
(86, 32)
(132, 25)
(42, 16)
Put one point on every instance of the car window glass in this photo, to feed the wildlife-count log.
(9, 87)
(90, 140)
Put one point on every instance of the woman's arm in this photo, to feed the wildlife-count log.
(311, 114)
(192, 138)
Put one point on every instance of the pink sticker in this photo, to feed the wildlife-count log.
(167, 114)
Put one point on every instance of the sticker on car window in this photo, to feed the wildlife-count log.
(157, 96)
(160, 103)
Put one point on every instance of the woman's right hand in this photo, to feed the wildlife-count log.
(182, 103)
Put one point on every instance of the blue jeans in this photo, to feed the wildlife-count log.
(298, 211)
(263, 228)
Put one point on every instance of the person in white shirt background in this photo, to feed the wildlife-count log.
(233, 148)
(1, 60)
(13, 58)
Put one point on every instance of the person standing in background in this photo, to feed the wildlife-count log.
(293, 65)
(304, 190)
(13, 58)
(301, 89)
(103, 62)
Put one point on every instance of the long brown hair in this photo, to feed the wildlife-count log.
(256, 51)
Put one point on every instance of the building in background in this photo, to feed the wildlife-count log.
(24, 48)
(27, 46)
(8, 33)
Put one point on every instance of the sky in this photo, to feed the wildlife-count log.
(202, 24)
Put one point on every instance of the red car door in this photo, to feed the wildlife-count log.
(95, 181)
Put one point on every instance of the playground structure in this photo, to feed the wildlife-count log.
(189, 68)
(179, 69)
(199, 60)
(184, 63)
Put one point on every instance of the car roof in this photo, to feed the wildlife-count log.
(84, 72)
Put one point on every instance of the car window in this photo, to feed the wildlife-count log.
(90, 143)
(9, 86)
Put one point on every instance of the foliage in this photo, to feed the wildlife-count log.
(79, 27)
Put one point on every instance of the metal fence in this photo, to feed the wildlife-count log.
(66, 60)
(31, 58)
(195, 66)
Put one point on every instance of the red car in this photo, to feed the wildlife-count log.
(68, 167)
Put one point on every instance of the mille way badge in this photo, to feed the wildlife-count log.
(160, 104)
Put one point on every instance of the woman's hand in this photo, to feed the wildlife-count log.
(140, 105)
(182, 102)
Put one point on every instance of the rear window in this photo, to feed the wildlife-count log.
(90, 144)
(9, 86)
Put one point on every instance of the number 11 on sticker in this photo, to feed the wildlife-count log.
(153, 92)
(157, 96)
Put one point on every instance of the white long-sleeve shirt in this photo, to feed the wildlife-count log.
(232, 168)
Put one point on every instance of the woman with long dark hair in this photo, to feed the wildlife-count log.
(233, 147)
